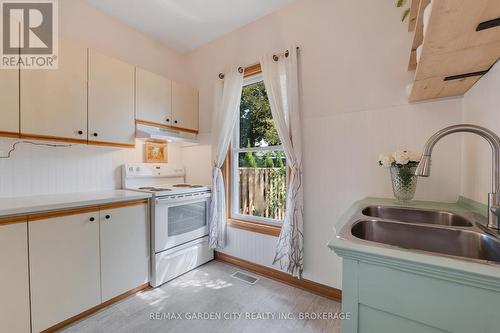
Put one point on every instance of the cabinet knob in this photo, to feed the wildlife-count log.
(168, 120)
(92, 219)
(107, 217)
(175, 121)
(95, 134)
(80, 132)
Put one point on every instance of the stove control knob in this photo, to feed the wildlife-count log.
(138, 169)
(131, 169)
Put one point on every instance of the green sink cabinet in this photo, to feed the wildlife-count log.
(391, 290)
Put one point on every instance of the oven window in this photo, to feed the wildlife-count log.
(187, 218)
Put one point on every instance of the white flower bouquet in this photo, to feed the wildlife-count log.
(400, 158)
(402, 164)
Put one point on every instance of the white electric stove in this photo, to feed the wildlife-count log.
(179, 218)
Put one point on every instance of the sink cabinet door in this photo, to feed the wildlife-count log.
(398, 297)
(64, 266)
(124, 249)
(14, 285)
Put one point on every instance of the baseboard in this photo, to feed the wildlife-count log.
(313, 287)
(96, 308)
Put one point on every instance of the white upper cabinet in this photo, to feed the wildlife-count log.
(14, 285)
(54, 102)
(111, 88)
(124, 247)
(64, 267)
(9, 102)
(184, 106)
(153, 97)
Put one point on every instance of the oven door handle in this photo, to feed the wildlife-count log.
(187, 199)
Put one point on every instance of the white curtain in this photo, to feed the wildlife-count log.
(226, 114)
(281, 81)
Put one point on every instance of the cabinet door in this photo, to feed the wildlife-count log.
(54, 102)
(14, 285)
(184, 106)
(111, 101)
(9, 102)
(64, 267)
(153, 97)
(124, 249)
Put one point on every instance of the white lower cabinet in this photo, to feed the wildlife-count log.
(78, 259)
(124, 249)
(64, 267)
(14, 285)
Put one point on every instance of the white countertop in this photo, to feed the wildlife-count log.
(43, 203)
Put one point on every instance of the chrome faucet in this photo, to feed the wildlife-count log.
(424, 167)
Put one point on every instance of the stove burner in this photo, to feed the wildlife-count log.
(154, 189)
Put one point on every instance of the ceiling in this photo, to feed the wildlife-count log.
(185, 25)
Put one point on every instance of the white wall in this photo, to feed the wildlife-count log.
(34, 170)
(481, 107)
(81, 22)
(41, 170)
(353, 75)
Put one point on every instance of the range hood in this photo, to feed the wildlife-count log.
(171, 135)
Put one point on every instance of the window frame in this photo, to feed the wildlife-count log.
(247, 222)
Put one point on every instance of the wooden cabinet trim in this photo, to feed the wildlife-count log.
(13, 220)
(60, 213)
(149, 123)
(9, 134)
(96, 308)
(123, 204)
(111, 144)
(83, 210)
(52, 138)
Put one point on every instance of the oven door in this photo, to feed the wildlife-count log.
(180, 220)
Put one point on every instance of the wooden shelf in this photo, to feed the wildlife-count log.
(452, 46)
(412, 18)
(418, 35)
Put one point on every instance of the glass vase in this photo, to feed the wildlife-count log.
(404, 182)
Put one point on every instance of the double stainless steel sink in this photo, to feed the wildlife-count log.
(437, 232)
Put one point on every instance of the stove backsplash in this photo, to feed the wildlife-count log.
(35, 170)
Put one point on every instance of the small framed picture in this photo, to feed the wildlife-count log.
(156, 152)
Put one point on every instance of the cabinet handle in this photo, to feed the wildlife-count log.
(92, 219)
(95, 134)
(168, 120)
(80, 132)
(175, 121)
(107, 217)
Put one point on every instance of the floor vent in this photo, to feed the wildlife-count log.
(245, 277)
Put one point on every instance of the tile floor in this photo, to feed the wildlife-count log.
(210, 290)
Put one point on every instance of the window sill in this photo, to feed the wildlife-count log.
(260, 228)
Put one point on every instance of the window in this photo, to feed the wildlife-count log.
(258, 162)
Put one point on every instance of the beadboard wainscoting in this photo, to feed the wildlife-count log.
(250, 246)
(35, 170)
(480, 108)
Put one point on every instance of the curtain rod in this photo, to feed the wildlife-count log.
(286, 53)
(222, 75)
